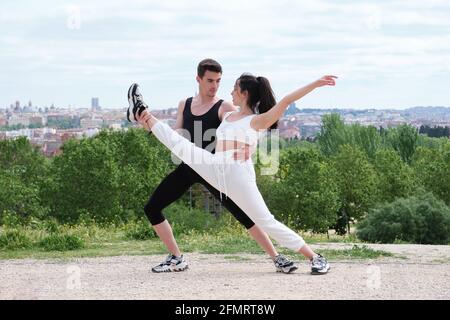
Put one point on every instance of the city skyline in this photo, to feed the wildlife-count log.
(90, 105)
(388, 54)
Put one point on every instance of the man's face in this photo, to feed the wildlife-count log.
(210, 83)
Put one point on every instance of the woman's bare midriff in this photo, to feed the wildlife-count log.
(225, 145)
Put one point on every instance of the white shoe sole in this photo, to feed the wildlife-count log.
(287, 269)
(178, 268)
(130, 114)
(321, 272)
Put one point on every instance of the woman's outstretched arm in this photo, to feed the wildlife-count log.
(267, 119)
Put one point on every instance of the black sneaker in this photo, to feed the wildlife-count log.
(136, 103)
(319, 265)
(283, 264)
(172, 263)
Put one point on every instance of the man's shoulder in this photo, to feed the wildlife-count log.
(182, 103)
(227, 106)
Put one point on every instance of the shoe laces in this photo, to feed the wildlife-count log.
(139, 99)
(281, 260)
(318, 260)
(168, 259)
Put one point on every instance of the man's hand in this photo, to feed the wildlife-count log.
(244, 153)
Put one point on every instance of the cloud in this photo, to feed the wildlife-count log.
(116, 40)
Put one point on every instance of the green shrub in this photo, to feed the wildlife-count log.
(61, 242)
(418, 219)
(183, 219)
(139, 230)
(14, 239)
(9, 219)
(51, 226)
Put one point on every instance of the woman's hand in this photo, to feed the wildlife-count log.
(143, 118)
(326, 81)
(244, 153)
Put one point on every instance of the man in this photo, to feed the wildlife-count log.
(199, 116)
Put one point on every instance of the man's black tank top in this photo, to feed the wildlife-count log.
(202, 129)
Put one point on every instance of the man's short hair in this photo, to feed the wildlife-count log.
(208, 65)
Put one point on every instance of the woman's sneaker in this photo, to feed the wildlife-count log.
(319, 265)
(172, 263)
(283, 264)
(136, 103)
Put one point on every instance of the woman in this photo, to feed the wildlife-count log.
(258, 112)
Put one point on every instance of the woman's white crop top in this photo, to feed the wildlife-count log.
(239, 130)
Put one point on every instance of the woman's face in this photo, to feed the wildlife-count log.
(239, 97)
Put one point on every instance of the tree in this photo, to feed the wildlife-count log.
(432, 167)
(22, 172)
(421, 218)
(23, 160)
(144, 162)
(396, 179)
(86, 182)
(332, 134)
(108, 177)
(365, 137)
(357, 182)
(19, 199)
(302, 192)
(404, 140)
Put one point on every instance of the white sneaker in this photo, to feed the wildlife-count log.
(136, 103)
(172, 263)
(319, 265)
(283, 264)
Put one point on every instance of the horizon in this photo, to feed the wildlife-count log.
(103, 108)
(389, 54)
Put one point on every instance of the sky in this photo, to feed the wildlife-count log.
(387, 54)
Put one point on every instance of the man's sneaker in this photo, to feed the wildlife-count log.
(172, 263)
(136, 103)
(319, 265)
(283, 264)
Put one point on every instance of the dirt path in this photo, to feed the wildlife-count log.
(416, 272)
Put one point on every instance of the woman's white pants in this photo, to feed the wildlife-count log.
(234, 179)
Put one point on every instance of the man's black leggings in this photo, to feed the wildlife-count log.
(175, 185)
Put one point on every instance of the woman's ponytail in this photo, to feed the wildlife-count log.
(260, 94)
(266, 97)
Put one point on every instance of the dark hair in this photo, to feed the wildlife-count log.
(260, 94)
(208, 65)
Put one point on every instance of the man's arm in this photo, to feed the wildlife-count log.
(179, 122)
(225, 107)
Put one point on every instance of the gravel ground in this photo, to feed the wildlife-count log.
(415, 272)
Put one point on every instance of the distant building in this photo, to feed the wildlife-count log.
(51, 148)
(89, 123)
(19, 119)
(3, 121)
(94, 104)
(17, 106)
(58, 117)
(292, 109)
(36, 120)
(290, 133)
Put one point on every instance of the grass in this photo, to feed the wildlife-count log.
(61, 242)
(357, 252)
(200, 233)
(236, 258)
(227, 240)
